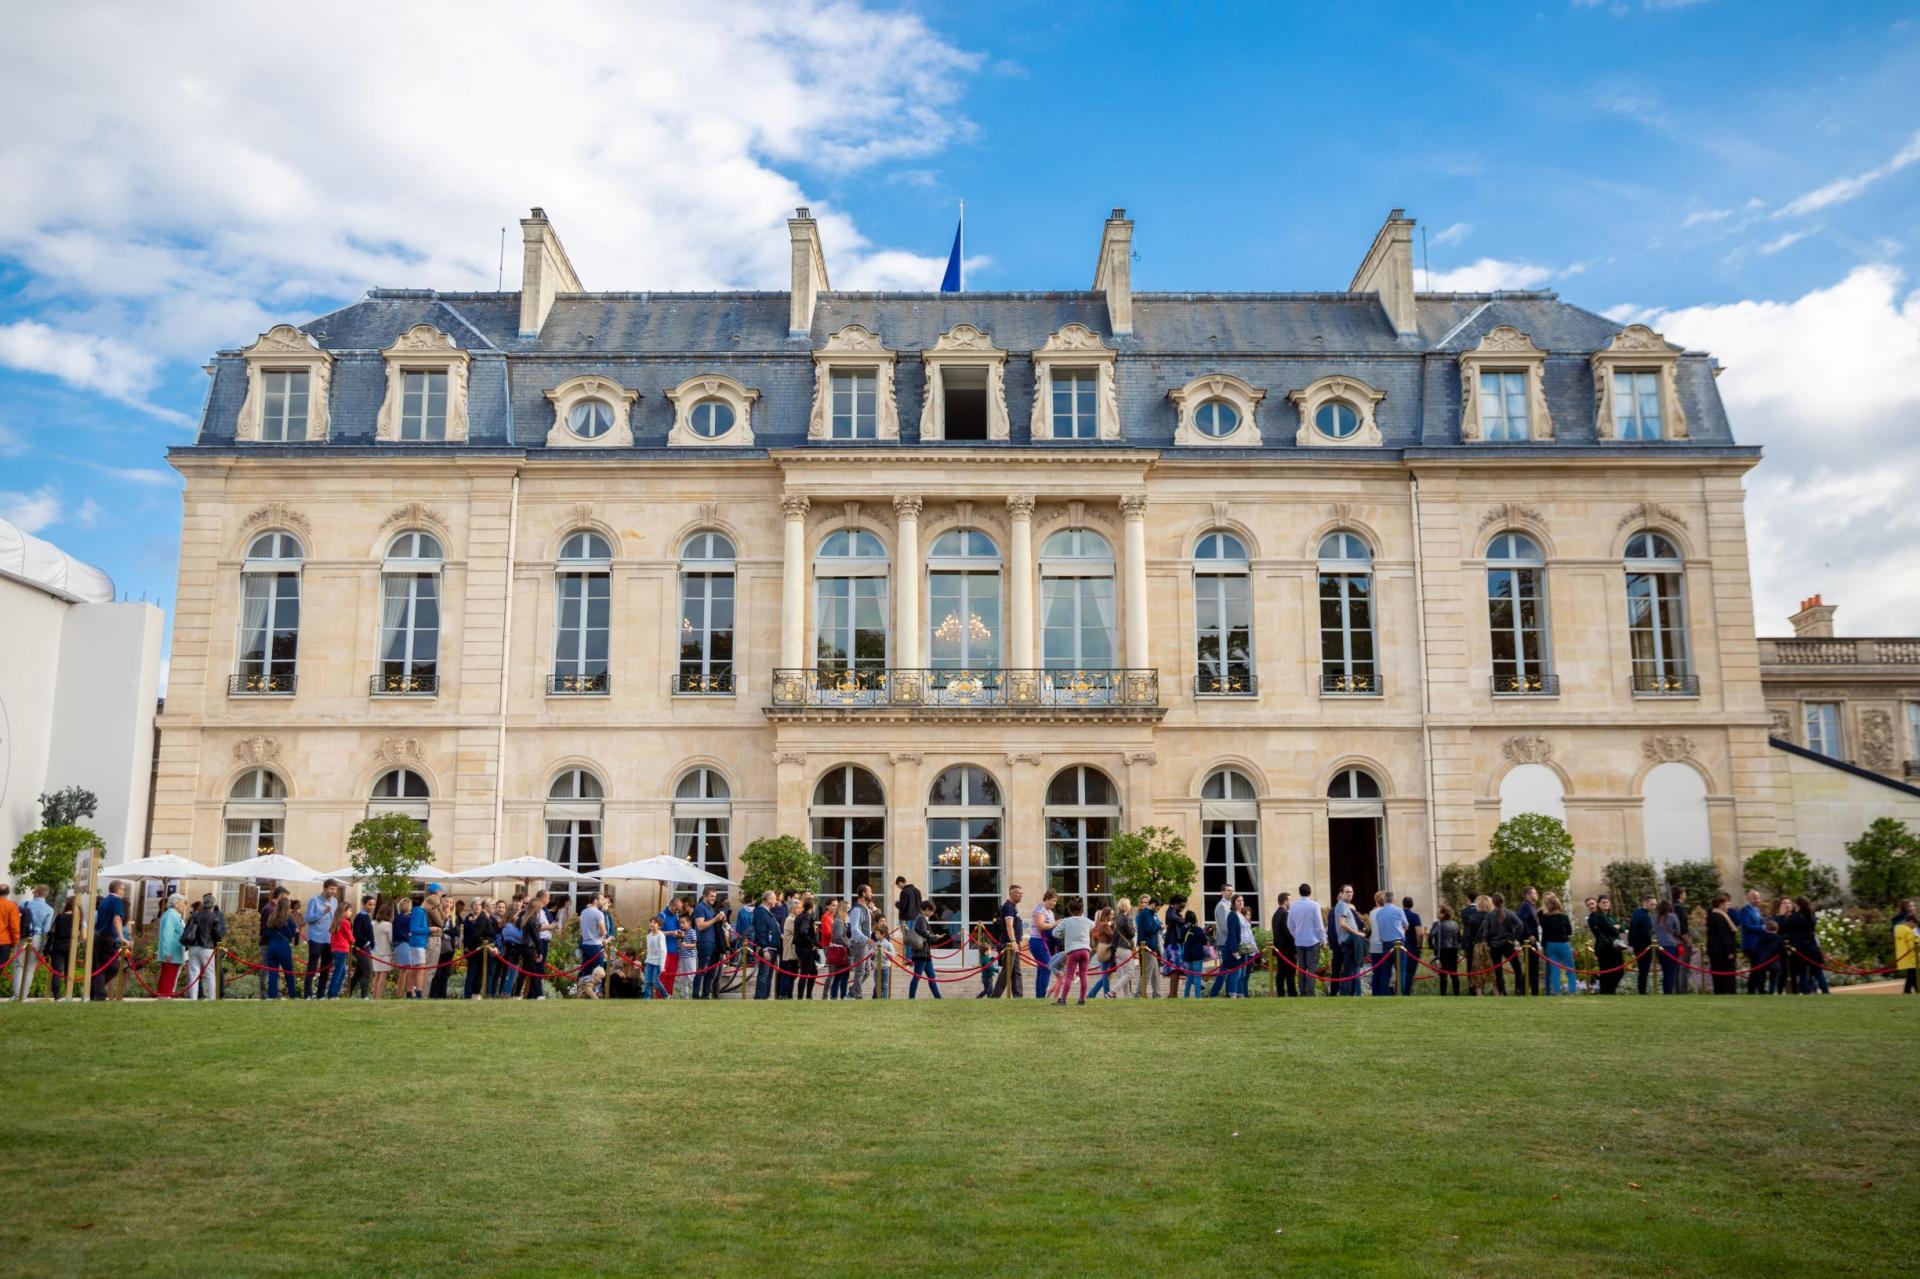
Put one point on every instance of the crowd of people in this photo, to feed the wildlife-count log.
(801, 946)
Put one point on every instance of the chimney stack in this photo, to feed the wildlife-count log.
(1113, 274)
(809, 271)
(544, 272)
(1387, 271)
(1814, 620)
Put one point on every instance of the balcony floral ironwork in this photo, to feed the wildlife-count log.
(1350, 684)
(1234, 681)
(1526, 684)
(955, 689)
(260, 683)
(414, 683)
(1665, 684)
(714, 682)
(579, 684)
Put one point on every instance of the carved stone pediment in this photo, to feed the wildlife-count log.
(399, 750)
(1650, 513)
(414, 513)
(1667, 748)
(1527, 750)
(855, 337)
(256, 750)
(1507, 513)
(277, 514)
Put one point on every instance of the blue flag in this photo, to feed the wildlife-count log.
(954, 281)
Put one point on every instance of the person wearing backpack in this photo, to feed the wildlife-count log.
(920, 951)
(1192, 944)
(204, 933)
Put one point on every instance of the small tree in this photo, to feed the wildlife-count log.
(781, 864)
(1528, 849)
(1701, 879)
(384, 851)
(1459, 884)
(1884, 863)
(1823, 887)
(1777, 872)
(1629, 883)
(49, 856)
(1149, 861)
(67, 807)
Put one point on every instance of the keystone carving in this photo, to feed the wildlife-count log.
(1527, 750)
(1666, 748)
(1876, 739)
(399, 750)
(256, 750)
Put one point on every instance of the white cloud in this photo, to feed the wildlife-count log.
(12, 444)
(149, 476)
(1452, 234)
(1841, 190)
(1785, 241)
(107, 365)
(1829, 385)
(89, 513)
(31, 511)
(1707, 215)
(1488, 274)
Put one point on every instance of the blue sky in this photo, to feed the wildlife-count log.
(1744, 176)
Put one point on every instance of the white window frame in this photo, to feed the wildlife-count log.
(1212, 573)
(703, 821)
(1233, 819)
(979, 577)
(1659, 569)
(580, 571)
(853, 569)
(1526, 567)
(1346, 671)
(1078, 567)
(1498, 422)
(283, 561)
(839, 873)
(973, 811)
(1825, 727)
(1074, 871)
(702, 568)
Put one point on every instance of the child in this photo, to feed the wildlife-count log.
(656, 959)
(886, 953)
(1193, 953)
(989, 964)
(1769, 950)
(1906, 953)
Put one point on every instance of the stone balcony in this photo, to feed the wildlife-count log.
(1835, 652)
(808, 693)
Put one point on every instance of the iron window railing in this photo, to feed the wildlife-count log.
(1666, 685)
(1527, 684)
(1354, 684)
(969, 689)
(409, 684)
(717, 682)
(1228, 683)
(261, 684)
(582, 684)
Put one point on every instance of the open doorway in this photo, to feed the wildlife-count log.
(965, 408)
(1353, 856)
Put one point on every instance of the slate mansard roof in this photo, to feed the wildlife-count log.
(651, 342)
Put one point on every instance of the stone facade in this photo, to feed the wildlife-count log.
(1424, 497)
(1866, 688)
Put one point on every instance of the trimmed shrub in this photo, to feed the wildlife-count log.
(1629, 882)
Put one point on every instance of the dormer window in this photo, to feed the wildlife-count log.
(853, 389)
(590, 419)
(1218, 409)
(1503, 398)
(284, 414)
(426, 389)
(591, 411)
(1074, 416)
(423, 406)
(1337, 410)
(853, 406)
(1636, 406)
(1074, 396)
(966, 397)
(1636, 382)
(711, 409)
(288, 376)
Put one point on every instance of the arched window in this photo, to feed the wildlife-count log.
(1674, 809)
(849, 830)
(1082, 811)
(583, 585)
(254, 823)
(1517, 615)
(702, 821)
(850, 612)
(400, 790)
(410, 617)
(1348, 663)
(1353, 783)
(963, 602)
(1532, 788)
(1222, 616)
(574, 811)
(1657, 617)
(1357, 834)
(269, 615)
(1076, 605)
(965, 840)
(590, 419)
(706, 615)
(1230, 833)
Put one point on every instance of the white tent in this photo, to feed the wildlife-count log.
(270, 866)
(665, 870)
(426, 871)
(163, 866)
(522, 868)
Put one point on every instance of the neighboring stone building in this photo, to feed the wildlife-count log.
(1847, 698)
(958, 585)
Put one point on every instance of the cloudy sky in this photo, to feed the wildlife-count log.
(176, 178)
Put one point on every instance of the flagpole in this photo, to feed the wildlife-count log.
(963, 246)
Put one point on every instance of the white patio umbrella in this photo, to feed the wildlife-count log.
(426, 870)
(665, 870)
(522, 868)
(161, 866)
(268, 866)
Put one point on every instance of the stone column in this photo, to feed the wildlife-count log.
(906, 586)
(1134, 508)
(1019, 654)
(1139, 808)
(793, 597)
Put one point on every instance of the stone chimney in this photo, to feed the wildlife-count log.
(1113, 274)
(809, 271)
(1387, 271)
(544, 272)
(1814, 620)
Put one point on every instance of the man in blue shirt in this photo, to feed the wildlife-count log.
(593, 936)
(320, 937)
(706, 916)
(859, 937)
(36, 917)
(1407, 962)
(1753, 932)
(1147, 929)
(1006, 933)
(1222, 908)
(1389, 930)
(1309, 932)
(109, 935)
(766, 936)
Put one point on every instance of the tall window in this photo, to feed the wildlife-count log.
(854, 405)
(410, 616)
(1503, 406)
(1517, 614)
(1656, 616)
(850, 611)
(423, 405)
(1076, 603)
(583, 582)
(965, 823)
(1230, 839)
(254, 822)
(1823, 729)
(849, 830)
(1636, 406)
(1347, 659)
(402, 791)
(1913, 732)
(269, 615)
(1073, 404)
(1223, 615)
(575, 806)
(702, 821)
(1082, 810)
(706, 615)
(284, 414)
(963, 602)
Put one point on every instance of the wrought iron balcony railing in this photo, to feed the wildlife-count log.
(969, 689)
(1227, 683)
(715, 682)
(1350, 684)
(261, 684)
(1526, 684)
(1667, 685)
(405, 684)
(581, 684)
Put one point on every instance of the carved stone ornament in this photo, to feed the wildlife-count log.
(908, 507)
(1507, 513)
(256, 750)
(1074, 337)
(1241, 395)
(1527, 750)
(1141, 757)
(1219, 510)
(1649, 513)
(853, 350)
(1020, 505)
(1022, 757)
(277, 513)
(399, 750)
(794, 506)
(905, 757)
(414, 513)
(575, 391)
(583, 512)
(1666, 748)
(1782, 725)
(1352, 392)
(1505, 349)
(1507, 340)
(1134, 506)
(709, 512)
(424, 348)
(1072, 346)
(1876, 739)
(789, 757)
(284, 348)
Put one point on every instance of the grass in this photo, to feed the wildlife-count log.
(1463, 1137)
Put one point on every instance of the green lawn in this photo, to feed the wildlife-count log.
(1471, 1137)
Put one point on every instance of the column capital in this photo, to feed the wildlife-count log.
(1134, 506)
(907, 506)
(1020, 506)
(795, 505)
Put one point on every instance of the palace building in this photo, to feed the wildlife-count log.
(959, 585)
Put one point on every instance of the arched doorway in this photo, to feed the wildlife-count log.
(1356, 835)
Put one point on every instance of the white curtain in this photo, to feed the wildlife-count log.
(253, 616)
(393, 616)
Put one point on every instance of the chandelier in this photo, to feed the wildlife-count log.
(973, 854)
(948, 631)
